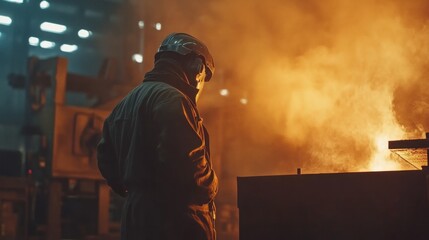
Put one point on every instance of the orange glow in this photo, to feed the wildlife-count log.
(326, 79)
(336, 80)
(381, 160)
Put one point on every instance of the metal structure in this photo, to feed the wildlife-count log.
(414, 151)
(68, 133)
(367, 205)
(14, 194)
(61, 142)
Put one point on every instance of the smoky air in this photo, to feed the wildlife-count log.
(328, 83)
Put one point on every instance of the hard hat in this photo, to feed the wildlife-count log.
(184, 44)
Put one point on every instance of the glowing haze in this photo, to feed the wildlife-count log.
(331, 81)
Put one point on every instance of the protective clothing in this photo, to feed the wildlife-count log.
(155, 151)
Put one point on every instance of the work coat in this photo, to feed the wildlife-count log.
(155, 152)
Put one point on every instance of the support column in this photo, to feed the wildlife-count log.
(53, 231)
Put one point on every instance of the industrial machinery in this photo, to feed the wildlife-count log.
(14, 207)
(362, 205)
(67, 197)
(414, 151)
(68, 134)
(367, 205)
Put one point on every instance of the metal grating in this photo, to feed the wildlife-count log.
(415, 157)
(414, 151)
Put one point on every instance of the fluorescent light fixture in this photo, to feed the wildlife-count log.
(44, 4)
(0, 34)
(137, 58)
(33, 41)
(53, 27)
(141, 24)
(5, 20)
(158, 26)
(224, 92)
(15, 1)
(83, 33)
(47, 44)
(68, 48)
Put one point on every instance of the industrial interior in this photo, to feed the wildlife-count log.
(318, 113)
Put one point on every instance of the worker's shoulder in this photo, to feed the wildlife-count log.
(147, 95)
(161, 91)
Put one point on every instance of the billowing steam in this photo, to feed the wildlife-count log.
(328, 82)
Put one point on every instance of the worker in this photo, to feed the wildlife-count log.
(154, 149)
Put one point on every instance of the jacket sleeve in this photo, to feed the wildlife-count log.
(183, 154)
(108, 164)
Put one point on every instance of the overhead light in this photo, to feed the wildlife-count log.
(47, 44)
(137, 58)
(53, 27)
(68, 48)
(244, 101)
(158, 26)
(224, 92)
(5, 20)
(15, 1)
(44, 4)
(33, 41)
(83, 33)
(141, 24)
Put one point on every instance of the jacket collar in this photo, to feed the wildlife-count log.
(169, 71)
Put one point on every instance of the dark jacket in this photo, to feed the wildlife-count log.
(155, 151)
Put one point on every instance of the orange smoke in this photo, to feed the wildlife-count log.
(328, 82)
